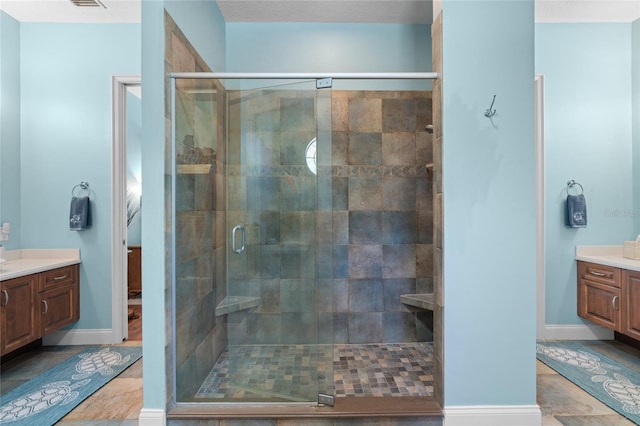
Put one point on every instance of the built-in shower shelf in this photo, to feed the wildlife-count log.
(193, 169)
(236, 303)
(422, 300)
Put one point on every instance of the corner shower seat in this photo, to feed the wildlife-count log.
(421, 300)
(236, 303)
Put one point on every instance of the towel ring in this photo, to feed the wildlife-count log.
(572, 184)
(83, 186)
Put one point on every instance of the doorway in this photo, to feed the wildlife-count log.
(126, 208)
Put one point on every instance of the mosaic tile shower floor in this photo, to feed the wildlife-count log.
(289, 372)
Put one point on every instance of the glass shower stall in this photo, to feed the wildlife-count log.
(275, 253)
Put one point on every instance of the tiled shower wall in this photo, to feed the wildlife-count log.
(380, 241)
(199, 209)
(382, 215)
(273, 195)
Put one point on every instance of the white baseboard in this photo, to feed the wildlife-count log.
(499, 415)
(577, 332)
(86, 336)
(152, 417)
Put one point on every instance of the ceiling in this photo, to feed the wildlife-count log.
(124, 11)
(353, 11)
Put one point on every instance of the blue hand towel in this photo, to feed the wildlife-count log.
(80, 214)
(576, 211)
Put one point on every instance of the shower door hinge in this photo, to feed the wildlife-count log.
(323, 83)
(326, 399)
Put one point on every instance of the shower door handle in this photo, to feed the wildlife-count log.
(234, 246)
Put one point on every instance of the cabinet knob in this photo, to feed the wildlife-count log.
(46, 307)
(5, 293)
(614, 302)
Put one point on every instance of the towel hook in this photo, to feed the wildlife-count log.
(572, 183)
(490, 112)
(84, 185)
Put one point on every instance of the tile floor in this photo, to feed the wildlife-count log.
(295, 372)
(119, 402)
(383, 370)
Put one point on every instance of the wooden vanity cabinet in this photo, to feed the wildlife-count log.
(37, 304)
(599, 295)
(631, 304)
(19, 322)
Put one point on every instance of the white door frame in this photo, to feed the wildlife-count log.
(119, 315)
(540, 223)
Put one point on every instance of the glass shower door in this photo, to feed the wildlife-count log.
(279, 255)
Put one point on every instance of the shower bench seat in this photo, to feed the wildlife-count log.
(236, 303)
(420, 300)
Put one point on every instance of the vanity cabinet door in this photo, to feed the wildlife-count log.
(59, 302)
(631, 303)
(19, 323)
(600, 304)
(58, 307)
(599, 295)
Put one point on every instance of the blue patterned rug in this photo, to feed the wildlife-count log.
(612, 383)
(48, 397)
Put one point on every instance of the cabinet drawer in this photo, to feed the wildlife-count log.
(599, 273)
(60, 276)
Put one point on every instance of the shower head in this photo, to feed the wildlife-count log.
(429, 129)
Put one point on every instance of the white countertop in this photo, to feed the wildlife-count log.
(606, 255)
(19, 263)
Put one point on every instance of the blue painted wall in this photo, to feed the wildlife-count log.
(66, 74)
(635, 75)
(10, 128)
(314, 47)
(587, 69)
(304, 47)
(489, 203)
(154, 267)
